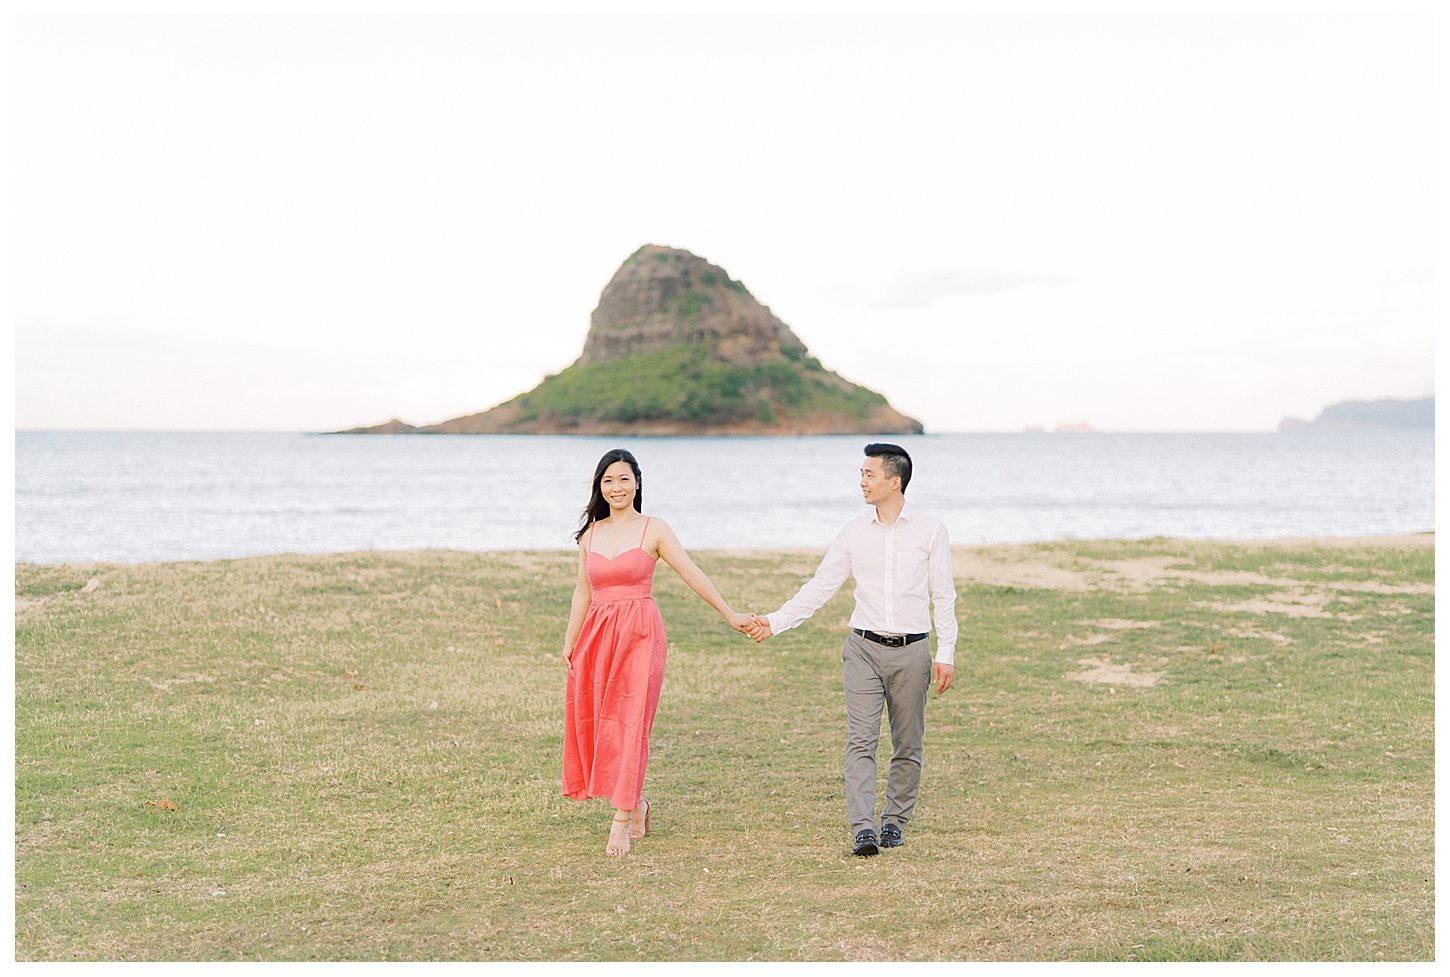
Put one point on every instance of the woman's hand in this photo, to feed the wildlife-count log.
(568, 657)
(740, 622)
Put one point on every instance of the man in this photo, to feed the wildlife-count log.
(899, 558)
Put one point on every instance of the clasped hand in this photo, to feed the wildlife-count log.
(752, 625)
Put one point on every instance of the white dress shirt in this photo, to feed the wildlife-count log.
(895, 567)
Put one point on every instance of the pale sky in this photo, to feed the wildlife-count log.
(312, 223)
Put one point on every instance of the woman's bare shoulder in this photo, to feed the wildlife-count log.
(659, 537)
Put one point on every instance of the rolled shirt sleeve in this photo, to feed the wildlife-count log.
(943, 596)
(830, 575)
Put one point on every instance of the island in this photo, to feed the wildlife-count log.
(678, 347)
(1374, 415)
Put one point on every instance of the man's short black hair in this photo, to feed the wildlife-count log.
(894, 460)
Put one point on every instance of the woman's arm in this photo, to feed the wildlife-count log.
(667, 547)
(577, 609)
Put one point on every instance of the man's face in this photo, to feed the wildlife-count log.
(875, 486)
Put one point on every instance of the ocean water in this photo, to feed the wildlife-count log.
(133, 497)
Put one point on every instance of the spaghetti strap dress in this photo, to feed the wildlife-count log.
(614, 684)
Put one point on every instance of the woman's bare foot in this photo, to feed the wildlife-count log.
(618, 835)
(639, 820)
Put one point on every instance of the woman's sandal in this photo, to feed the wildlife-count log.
(611, 848)
(647, 808)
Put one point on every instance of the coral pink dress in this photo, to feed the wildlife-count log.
(614, 685)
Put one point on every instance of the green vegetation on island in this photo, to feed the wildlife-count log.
(685, 383)
(1182, 751)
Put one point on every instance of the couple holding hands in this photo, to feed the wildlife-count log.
(614, 648)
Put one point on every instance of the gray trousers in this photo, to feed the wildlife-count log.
(897, 678)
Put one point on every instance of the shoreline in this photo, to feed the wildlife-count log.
(1416, 540)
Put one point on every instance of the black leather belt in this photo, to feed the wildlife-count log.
(890, 641)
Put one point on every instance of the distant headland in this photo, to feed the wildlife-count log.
(678, 347)
(1372, 415)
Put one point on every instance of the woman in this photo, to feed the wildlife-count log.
(615, 646)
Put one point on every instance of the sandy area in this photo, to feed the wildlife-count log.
(1103, 670)
(1037, 567)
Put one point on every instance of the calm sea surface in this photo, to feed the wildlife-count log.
(132, 497)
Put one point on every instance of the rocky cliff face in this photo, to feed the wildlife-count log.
(664, 296)
(676, 346)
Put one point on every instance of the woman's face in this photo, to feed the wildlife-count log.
(618, 486)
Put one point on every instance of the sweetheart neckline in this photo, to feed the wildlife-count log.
(616, 556)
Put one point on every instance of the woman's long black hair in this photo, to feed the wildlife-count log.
(598, 508)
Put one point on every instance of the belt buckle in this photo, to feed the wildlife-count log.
(896, 641)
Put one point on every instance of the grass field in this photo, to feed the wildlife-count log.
(364, 754)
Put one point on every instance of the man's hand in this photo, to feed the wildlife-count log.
(759, 628)
(942, 676)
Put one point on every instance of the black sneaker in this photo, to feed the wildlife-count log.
(865, 843)
(891, 835)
